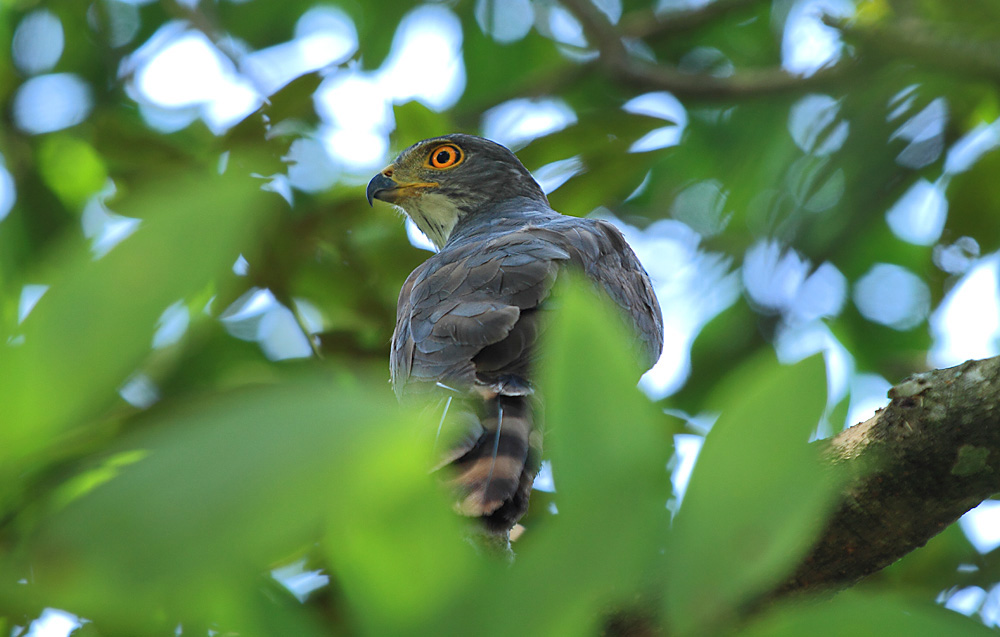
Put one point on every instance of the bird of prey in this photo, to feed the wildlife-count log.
(469, 318)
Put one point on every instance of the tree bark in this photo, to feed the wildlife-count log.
(931, 455)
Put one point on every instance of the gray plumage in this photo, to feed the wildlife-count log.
(469, 318)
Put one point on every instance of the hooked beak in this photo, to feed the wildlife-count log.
(378, 186)
(384, 187)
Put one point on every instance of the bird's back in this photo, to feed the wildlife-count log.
(469, 319)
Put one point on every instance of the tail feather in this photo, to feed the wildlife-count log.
(493, 477)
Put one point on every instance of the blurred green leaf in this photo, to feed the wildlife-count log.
(393, 541)
(71, 168)
(95, 323)
(757, 496)
(227, 487)
(864, 615)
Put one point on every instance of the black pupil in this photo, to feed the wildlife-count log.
(443, 156)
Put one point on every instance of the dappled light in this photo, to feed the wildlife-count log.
(48, 103)
(815, 127)
(38, 42)
(258, 317)
(893, 296)
(919, 215)
(967, 322)
(807, 44)
(519, 121)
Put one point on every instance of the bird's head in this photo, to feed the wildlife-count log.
(438, 181)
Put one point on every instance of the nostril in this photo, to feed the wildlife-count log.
(387, 172)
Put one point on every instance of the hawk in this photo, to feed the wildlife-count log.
(469, 318)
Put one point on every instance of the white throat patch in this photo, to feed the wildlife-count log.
(435, 215)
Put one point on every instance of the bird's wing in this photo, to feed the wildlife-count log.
(464, 301)
(468, 316)
(599, 250)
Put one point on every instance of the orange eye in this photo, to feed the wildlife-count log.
(445, 156)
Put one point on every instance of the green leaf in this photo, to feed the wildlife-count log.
(864, 615)
(95, 323)
(394, 542)
(219, 490)
(71, 168)
(757, 496)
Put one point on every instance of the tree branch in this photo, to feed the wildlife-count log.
(647, 23)
(920, 463)
(914, 39)
(626, 68)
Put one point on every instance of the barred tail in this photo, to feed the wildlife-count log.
(493, 477)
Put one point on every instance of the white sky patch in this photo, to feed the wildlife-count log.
(8, 191)
(168, 120)
(358, 150)
(505, 20)
(902, 101)
(310, 167)
(692, 286)
(161, 81)
(425, 62)
(957, 257)
(298, 580)
(892, 295)
(311, 316)
(517, 122)
(967, 322)
(661, 105)
(814, 124)
(869, 393)
(686, 450)
(354, 100)
(966, 600)
(180, 68)
(544, 480)
(38, 42)
(555, 174)
(140, 391)
(964, 153)
(360, 117)
(919, 215)
(323, 36)
(808, 45)
(241, 266)
(54, 623)
(982, 526)
(48, 103)
(821, 295)
(171, 326)
(564, 27)
(925, 134)
(31, 294)
(104, 228)
(258, 316)
(772, 279)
